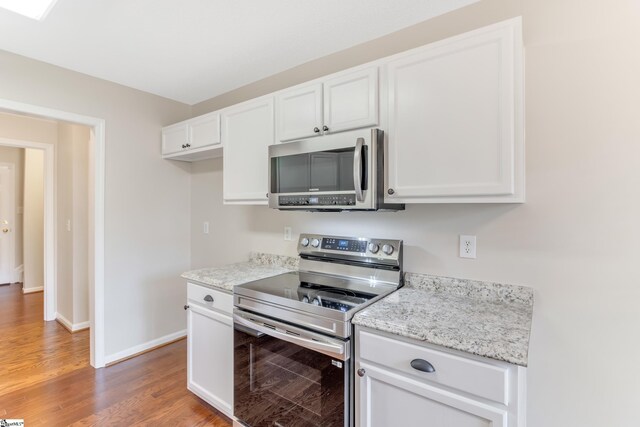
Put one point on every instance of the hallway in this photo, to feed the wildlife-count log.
(46, 379)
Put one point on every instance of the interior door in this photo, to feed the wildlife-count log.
(7, 213)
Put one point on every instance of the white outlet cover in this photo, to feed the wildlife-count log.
(287, 233)
(205, 227)
(467, 246)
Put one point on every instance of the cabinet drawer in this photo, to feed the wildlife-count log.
(222, 301)
(468, 375)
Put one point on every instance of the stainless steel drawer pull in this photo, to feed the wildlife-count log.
(208, 298)
(422, 365)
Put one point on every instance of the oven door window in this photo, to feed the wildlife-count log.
(277, 383)
(330, 170)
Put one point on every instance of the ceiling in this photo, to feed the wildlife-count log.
(193, 50)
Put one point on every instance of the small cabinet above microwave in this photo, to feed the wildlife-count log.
(344, 102)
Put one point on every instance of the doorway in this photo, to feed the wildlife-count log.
(7, 224)
(95, 214)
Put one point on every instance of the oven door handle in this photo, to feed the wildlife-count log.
(330, 349)
(357, 170)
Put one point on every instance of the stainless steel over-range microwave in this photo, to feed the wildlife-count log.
(343, 171)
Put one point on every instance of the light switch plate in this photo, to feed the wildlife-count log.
(287, 233)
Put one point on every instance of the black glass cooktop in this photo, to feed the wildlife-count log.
(336, 293)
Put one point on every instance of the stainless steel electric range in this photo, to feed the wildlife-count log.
(292, 336)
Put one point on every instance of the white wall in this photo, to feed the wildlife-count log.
(72, 200)
(574, 239)
(33, 244)
(147, 198)
(15, 156)
(80, 221)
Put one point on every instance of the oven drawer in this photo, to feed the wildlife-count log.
(210, 298)
(482, 379)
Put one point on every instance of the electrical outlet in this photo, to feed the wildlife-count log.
(287, 233)
(205, 227)
(467, 246)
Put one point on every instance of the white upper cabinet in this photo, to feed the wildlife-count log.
(351, 101)
(204, 130)
(247, 131)
(174, 138)
(300, 112)
(347, 101)
(455, 129)
(193, 139)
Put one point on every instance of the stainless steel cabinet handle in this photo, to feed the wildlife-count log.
(316, 130)
(186, 307)
(361, 372)
(357, 169)
(391, 191)
(422, 365)
(208, 298)
(325, 128)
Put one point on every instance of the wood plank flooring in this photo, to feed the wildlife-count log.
(46, 379)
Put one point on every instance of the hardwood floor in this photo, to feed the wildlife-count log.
(46, 379)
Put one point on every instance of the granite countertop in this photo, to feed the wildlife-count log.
(482, 318)
(259, 266)
(486, 319)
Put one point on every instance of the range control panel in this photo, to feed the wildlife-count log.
(347, 245)
(361, 247)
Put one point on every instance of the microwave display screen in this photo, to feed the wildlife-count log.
(330, 170)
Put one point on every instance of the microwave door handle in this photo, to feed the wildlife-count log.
(357, 170)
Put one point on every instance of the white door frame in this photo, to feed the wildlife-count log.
(96, 247)
(12, 220)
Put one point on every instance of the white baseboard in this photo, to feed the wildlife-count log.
(72, 327)
(132, 351)
(32, 290)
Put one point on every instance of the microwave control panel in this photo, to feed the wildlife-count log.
(320, 200)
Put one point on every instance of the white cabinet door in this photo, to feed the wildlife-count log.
(385, 398)
(174, 138)
(455, 119)
(299, 112)
(351, 101)
(347, 101)
(210, 357)
(204, 130)
(247, 131)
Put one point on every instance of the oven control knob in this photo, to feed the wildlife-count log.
(315, 243)
(315, 301)
(387, 249)
(304, 241)
(373, 248)
(305, 299)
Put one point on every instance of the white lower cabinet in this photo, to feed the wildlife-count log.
(210, 347)
(460, 392)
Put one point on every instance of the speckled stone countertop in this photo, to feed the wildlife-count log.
(259, 266)
(483, 318)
